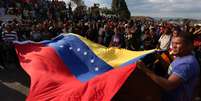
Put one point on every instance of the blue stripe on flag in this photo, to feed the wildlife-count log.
(77, 56)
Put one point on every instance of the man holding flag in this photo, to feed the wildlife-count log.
(183, 71)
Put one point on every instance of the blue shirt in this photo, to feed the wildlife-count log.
(187, 68)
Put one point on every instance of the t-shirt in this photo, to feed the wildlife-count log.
(188, 69)
(165, 41)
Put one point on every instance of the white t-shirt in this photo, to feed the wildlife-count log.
(165, 41)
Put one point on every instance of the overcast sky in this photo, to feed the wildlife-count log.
(158, 8)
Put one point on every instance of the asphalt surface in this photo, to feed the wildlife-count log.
(14, 85)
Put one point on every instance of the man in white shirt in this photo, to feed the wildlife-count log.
(165, 39)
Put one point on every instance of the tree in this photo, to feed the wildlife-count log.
(120, 8)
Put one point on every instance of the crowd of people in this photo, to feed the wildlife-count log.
(43, 20)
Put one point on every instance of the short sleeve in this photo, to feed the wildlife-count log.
(184, 71)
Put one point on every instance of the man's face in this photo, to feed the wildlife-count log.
(179, 47)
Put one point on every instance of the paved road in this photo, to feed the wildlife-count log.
(14, 85)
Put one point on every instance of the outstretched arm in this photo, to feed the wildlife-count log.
(167, 84)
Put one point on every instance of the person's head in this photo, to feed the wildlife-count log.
(191, 29)
(175, 32)
(182, 44)
(130, 23)
(167, 30)
(33, 28)
(8, 27)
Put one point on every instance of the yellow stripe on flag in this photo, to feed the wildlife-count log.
(113, 56)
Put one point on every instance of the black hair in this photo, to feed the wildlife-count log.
(187, 37)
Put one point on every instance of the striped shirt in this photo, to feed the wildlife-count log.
(9, 36)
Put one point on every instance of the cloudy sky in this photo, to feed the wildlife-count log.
(158, 8)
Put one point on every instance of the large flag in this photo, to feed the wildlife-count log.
(72, 68)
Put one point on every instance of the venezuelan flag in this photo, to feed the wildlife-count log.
(70, 67)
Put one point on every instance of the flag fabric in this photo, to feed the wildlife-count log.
(72, 68)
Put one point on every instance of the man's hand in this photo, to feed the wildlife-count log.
(143, 67)
(168, 84)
